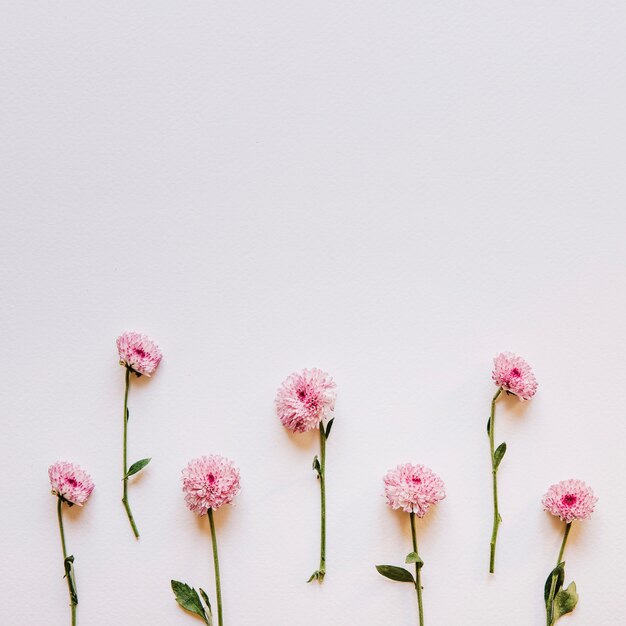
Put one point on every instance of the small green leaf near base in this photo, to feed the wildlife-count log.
(413, 557)
(318, 575)
(395, 573)
(565, 601)
(498, 455)
(189, 599)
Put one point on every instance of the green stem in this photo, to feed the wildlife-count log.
(216, 565)
(67, 575)
(418, 574)
(131, 519)
(322, 568)
(550, 600)
(494, 472)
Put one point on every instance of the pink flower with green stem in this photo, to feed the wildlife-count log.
(514, 376)
(72, 486)
(414, 489)
(304, 402)
(140, 356)
(570, 500)
(209, 483)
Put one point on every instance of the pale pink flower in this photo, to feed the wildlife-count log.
(514, 375)
(210, 482)
(139, 353)
(413, 488)
(70, 482)
(305, 399)
(570, 500)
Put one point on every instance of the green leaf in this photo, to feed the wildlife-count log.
(499, 454)
(137, 467)
(69, 574)
(328, 427)
(565, 601)
(489, 426)
(127, 414)
(189, 599)
(559, 573)
(208, 604)
(413, 557)
(316, 465)
(396, 573)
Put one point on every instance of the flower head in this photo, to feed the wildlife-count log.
(570, 500)
(209, 482)
(139, 353)
(413, 488)
(305, 399)
(70, 482)
(514, 375)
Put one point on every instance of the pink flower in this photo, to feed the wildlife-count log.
(139, 353)
(570, 500)
(305, 399)
(210, 482)
(70, 482)
(413, 488)
(513, 374)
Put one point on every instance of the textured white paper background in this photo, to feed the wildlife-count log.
(391, 191)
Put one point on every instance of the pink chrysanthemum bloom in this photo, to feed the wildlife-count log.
(413, 488)
(139, 353)
(570, 500)
(210, 482)
(514, 375)
(70, 482)
(305, 399)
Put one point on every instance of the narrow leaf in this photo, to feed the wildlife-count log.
(188, 598)
(328, 427)
(565, 601)
(137, 467)
(205, 597)
(396, 573)
(316, 465)
(413, 557)
(127, 414)
(69, 574)
(499, 454)
(489, 426)
(559, 573)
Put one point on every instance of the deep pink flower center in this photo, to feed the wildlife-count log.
(210, 478)
(72, 482)
(416, 480)
(301, 393)
(515, 372)
(140, 352)
(569, 499)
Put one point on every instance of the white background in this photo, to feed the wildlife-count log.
(391, 191)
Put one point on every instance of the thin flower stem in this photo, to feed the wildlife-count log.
(131, 519)
(216, 565)
(494, 476)
(550, 600)
(418, 570)
(67, 575)
(322, 569)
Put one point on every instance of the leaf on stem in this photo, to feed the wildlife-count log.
(316, 465)
(189, 599)
(558, 573)
(127, 414)
(395, 573)
(205, 597)
(489, 426)
(413, 557)
(137, 467)
(499, 454)
(69, 574)
(328, 427)
(565, 601)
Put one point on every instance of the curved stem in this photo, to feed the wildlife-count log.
(418, 570)
(216, 565)
(67, 573)
(550, 600)
(494, 472)
(131, 519)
